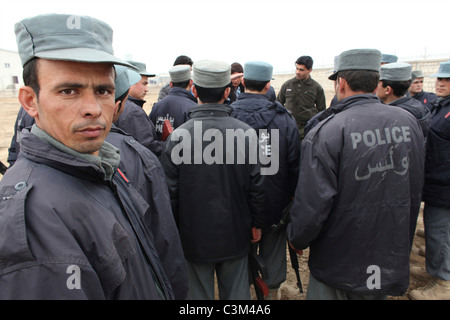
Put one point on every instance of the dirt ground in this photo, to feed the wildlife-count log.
(289, 290)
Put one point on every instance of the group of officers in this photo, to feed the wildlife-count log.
(96, 205)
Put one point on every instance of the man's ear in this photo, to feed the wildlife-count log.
(29, 101)
(194, 91)
(342, 85)
(388, 90)
(226, 93)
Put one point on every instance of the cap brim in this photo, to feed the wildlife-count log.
(333, 76)
(87, 55)
(147, 74)
(440, 75)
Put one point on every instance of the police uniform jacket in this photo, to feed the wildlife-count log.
(215, 205)
(144, 171)
(437, 165)
(66, 232)
(427, 98)
(257, 111)
(135, 121)
(174, 107)
(418, 110)
(358, 196)
(23, 120)
(303, 98)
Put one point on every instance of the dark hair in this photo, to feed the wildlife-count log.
(254, 85)
(182, 84)
(210, 95)
(307, 61)
(399, 87)
(183, 60)
(361, 80)
(30, 77)
(236, 67)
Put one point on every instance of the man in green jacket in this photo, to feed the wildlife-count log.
(302, 95)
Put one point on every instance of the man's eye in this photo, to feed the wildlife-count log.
(104, 92)
(68, 91)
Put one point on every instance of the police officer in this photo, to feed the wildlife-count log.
(254, 108)
(436, 216)
(218, 203)
(395, 79)
(134, 120)
(416, 89)
(144, 171)
(358, 195)
(84, 237)
(175, 106)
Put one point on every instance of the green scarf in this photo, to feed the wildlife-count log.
(108, 158)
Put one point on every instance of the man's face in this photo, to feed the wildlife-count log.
(76, 102)
(383, 92)
(301, 72)
(140, 89)
(443, 87)
(416, 86)
(236, 79)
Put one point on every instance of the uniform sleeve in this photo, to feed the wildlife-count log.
(171, 171)
(321, 101)
(281, 97)
(293, 155)
(257, 198)
(167, 240)
(51, 281)
(316, 190)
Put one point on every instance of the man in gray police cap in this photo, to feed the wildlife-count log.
(435, 194)
(215, 215)
(416, 89)
(254, 108)
(177, 103)
(66, 183)
(355, 158)
(134, 119)
(395, 79)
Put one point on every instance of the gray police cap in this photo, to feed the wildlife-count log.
(142, 68)
(417, 74)
(125, 78)
(388, 58)
(258, 71)
(397, 71)
(444, 70)
(65, 37)
(211, 74)
(180, 73)
(358, 59)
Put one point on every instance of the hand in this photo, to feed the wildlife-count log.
(256, 233)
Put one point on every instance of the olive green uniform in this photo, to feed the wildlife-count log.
(303, 98)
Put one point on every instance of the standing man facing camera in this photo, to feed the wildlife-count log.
(302, 95)
(84, 237)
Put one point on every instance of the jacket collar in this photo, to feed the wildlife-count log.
(210, 110)
(139, 102)
(42, 148)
